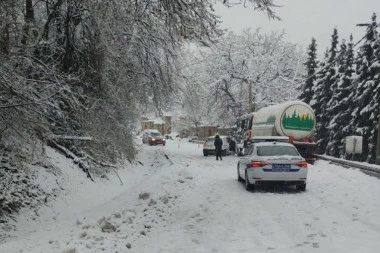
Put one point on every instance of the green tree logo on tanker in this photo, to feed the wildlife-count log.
(296, 121)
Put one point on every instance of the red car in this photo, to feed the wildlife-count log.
(153, 138)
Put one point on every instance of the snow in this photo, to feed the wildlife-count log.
(192, 203)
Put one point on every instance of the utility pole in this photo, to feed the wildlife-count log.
(377, 161)
(250, 95)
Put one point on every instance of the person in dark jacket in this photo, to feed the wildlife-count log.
(218, 147)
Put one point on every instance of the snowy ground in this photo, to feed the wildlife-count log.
(191, 203)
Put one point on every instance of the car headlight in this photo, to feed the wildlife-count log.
(163, 139)
(153, 139)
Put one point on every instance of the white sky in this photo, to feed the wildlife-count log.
(195, 204)
(304, 19)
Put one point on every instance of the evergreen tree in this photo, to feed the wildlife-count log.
(318, 91)
(345, 107)
(311, 65)
(324, 83)
(366, 101)
(333, 103)
(340, 104)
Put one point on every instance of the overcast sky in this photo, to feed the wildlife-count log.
(304, 19)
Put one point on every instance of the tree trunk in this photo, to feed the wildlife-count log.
(4, 40)
(67, 58)
(29, 19)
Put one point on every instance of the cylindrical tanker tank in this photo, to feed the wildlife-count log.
(293, 118)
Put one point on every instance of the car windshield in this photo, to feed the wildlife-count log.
(155, 134)
(276, 151)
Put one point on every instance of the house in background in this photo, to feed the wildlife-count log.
(162, 125)
(223, 130)
(205, 131)
(166, 125)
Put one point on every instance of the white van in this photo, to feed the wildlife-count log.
(209, 148)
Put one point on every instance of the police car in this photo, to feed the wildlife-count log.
(272, 160)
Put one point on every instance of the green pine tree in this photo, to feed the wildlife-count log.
(341, 108)
(366, 101)
(323, 93)
(311, 66)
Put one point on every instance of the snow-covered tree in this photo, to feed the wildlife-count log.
(366, 112)
(323, 93)
(311, 66)
(253, 70)
(340, 103)
(191, 102)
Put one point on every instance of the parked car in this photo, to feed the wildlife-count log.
(193, 138)
(228, 143)
(272, 162)
(153, 137)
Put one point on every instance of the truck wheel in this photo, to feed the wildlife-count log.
(224, 152)
(205, 153)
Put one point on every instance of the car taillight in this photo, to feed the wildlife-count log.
(256, 164)
(302, 164)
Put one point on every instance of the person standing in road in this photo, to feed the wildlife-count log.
(218, 147)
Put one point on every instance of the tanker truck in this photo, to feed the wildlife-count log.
(294, 119)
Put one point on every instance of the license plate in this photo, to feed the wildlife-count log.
(281, 167)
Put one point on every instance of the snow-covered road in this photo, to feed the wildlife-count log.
(191, 203)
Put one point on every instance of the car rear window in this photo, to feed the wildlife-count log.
(210, 140)
(277, 151)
